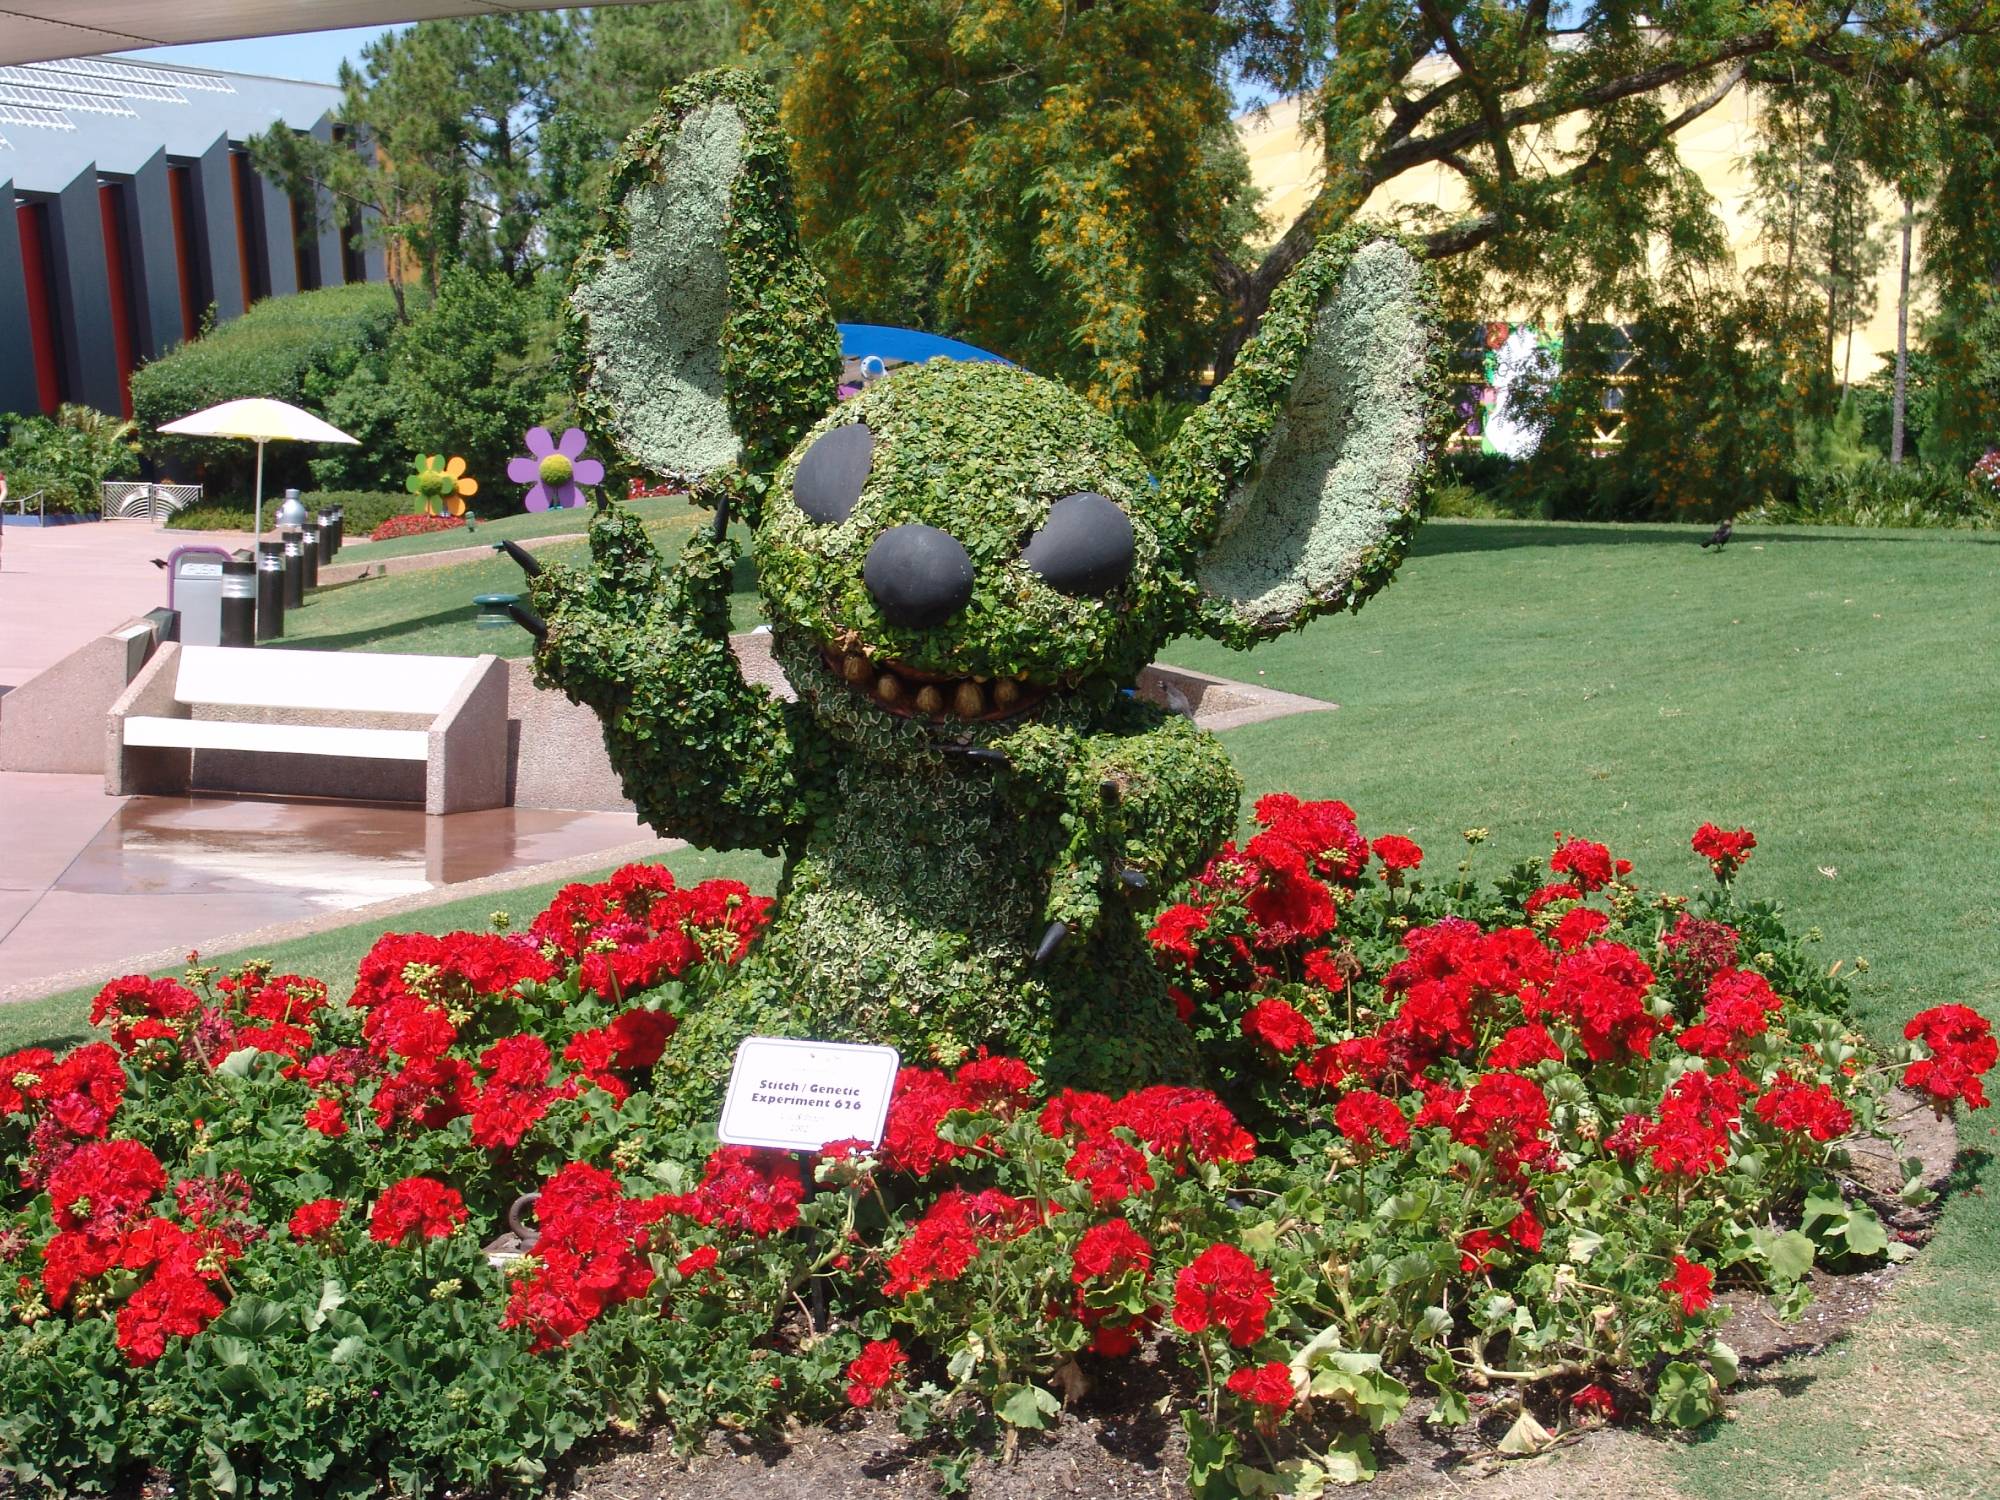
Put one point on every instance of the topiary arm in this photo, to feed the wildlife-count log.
(1140, 803)
(703, 755)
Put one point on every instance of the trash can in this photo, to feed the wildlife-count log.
(194, 589)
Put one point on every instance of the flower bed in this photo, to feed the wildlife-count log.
(417, 525)
(1462, 1140)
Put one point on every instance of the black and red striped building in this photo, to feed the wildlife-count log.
(129, 206)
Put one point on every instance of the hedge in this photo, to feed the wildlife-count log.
(295, 349)
(366, 509)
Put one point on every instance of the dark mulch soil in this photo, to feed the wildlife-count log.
(1124, 1438)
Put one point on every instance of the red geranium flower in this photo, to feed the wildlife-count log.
(1594, 1401)
(327, 1117)
(1364, 1116)
(1804, 1109)
(1962, 1048)
(1268, 1385)
(1693, 1284)
(1109, 1250)
(310, 1221)
(1278, 1025)
(1227, 1289)
(1397, 853)
(1725, 851)
(879, 1366)
(1589, 864)
(420, 1206)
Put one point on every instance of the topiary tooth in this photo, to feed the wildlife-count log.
(854, 667)
(930, 699)
(968, 702)
(1006, 694)
(888, 687)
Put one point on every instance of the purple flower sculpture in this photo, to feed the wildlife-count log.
(554, 471)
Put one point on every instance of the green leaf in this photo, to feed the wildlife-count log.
(1865, 1234)
(1210, 1453)
(1685, 1396)
(1723, 1361)
(1583, 1244)
(1260, 1239)
(221, 1472)
(236, 1065)
(1026, 1406)
(1294, 1479)
(1789, 1256)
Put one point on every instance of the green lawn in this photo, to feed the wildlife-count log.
(483, 533)
(430, 612)
(1836, 691)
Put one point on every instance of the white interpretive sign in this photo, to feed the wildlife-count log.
(802, 1096)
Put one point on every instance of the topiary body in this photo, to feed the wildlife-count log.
(965, 568)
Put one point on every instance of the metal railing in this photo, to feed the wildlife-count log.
(124, 500)
(20, 503)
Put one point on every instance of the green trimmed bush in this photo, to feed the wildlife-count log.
(366, 509)
(297, 349)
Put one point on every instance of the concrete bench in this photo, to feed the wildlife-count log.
(361, 725)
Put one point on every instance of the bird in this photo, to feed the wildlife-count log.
(158, 562)
(1719, 538)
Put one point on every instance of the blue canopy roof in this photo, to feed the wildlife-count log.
(859, 340)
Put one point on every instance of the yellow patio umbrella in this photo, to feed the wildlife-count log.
(261, 420)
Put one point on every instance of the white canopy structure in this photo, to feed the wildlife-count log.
(38, 30)
(261, 420)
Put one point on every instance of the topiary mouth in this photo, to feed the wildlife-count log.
(911, 694)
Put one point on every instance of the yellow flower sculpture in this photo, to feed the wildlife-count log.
(442, 485)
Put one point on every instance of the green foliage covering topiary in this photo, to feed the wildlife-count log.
(970, 802)
(697, 330)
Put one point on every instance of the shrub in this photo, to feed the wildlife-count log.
(366, 510)
(1875, 492)
(65, 457)
(1515, 1137)
(297, 349)
(472, 372)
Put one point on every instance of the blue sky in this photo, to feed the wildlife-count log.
(313, 55)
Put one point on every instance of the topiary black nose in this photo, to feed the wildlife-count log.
(919, 575)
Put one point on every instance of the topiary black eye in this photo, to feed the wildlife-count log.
(830, 476)
(1085, 546)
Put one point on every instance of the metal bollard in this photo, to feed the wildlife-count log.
(339, 527)
(295, 568)
(309, 554)
(325, 520)
(239, 601)
(270, 590)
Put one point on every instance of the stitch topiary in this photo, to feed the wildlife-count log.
(965, 568)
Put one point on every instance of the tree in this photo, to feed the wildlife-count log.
(475, 369)
(1081, 132)
(626, 56)
(1057, 181)
(439, 154)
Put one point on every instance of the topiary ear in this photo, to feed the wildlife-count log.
(1295, 488)
(699, 335)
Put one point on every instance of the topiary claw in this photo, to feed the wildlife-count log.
(1054, 938)
(521, 555)
(529, 621)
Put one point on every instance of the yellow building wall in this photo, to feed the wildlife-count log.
(1285, 166)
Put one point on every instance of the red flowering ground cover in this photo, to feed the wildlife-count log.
(1458, 1138)
(416, 525)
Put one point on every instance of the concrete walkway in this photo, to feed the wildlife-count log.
(63, 586)
(93, 886)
